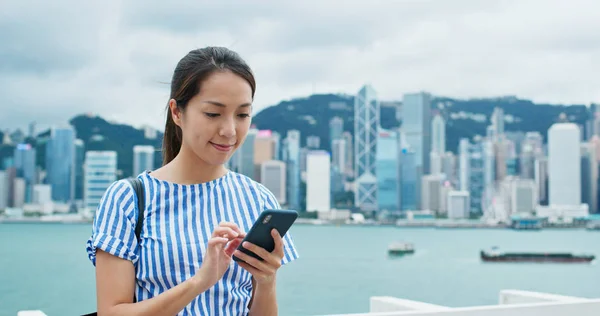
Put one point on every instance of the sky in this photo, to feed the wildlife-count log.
(115, 58)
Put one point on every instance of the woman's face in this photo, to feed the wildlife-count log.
(215, 122)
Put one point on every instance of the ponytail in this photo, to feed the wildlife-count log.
(171, 139)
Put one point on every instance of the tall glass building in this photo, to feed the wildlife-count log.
(60, 158)
(100, 173)
(24, 162)
(416, 126)
(409, 181)
(79, 161)
(292, 153)
(366, 124)
(473, 172)
(388, 173)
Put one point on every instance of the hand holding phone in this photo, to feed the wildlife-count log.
(261, 251)
(260, 233)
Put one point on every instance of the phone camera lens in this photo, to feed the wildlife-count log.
(267, 219)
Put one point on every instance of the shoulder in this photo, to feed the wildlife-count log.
(118, 197)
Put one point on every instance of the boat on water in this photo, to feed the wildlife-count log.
(494, 255)
(400, 248)
(593, 226)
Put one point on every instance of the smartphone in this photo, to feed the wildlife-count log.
(260, 233)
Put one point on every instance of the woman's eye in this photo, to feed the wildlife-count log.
(212, 114)
(244, 115)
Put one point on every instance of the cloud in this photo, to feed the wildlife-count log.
(116, 58)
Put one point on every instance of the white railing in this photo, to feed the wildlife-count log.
(511, 303)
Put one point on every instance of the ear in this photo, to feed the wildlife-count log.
(175, 112)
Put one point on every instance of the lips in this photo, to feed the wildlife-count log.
(221, 147)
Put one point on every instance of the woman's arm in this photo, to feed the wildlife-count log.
(264, 299)
(115, 283)
(115, 279)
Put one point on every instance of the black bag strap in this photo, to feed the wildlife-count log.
(138, 187)
(139, 192)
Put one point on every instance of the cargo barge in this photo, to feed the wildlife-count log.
(558, 257)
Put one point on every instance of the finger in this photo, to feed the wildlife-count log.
(278, 243)
(261, 252)
(225, 232)
(217, 241)
(232, 246)
(233, 226)
(255, 263)
(255, 272)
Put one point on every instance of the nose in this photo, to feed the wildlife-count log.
(227, 128)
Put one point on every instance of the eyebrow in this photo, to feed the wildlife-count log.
(219, 104)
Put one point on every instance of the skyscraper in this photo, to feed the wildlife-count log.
(349, 169)
(564, 163)
(498, 122)
(523, 196)
(463, 164)
(313, 142)
(449, 168)
(431, 197)
(276, 145)
(143, 159)
(273, 177)
(438, 133)
(24, 162)
(338, 155)
(78, 166)
(60, 156)
(388, 173)
(366, 123)
(318, 178)
(416, 125)
(438, 145)
(489, 173)
(589, 177)
(336, 128)
(408, 181)
(264, 150)
(4, 189)
(100, 173)
(292, 143)
(541, 179)
(458, 204)
(476, 172)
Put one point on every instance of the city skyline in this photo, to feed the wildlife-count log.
(497, 174)
(112, 54)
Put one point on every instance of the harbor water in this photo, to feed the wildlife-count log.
(45, 266)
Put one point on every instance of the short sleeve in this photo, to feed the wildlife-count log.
(113, 228)
(289, 249)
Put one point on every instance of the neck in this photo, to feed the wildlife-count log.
(187, 168)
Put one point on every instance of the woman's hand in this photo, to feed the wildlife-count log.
(262, 271)
(223, 242)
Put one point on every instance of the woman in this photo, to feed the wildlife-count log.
(196, 210)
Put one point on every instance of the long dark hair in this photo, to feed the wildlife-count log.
(191, 70)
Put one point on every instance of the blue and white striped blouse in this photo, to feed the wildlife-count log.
(179, 220)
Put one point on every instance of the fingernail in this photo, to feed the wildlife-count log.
(245, 244)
